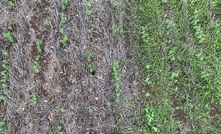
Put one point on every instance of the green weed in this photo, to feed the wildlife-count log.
(115, 30)
(61, 31)
(9, 37)
(4, 71)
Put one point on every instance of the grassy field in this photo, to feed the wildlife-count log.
(177, 53)
(110, 67)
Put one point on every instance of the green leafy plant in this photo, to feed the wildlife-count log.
(62, 110)
(64, 40)
(61, 31)
(91, 110)
(11, 4)
(34, 99)
(90, 12)
(90, 90)
(87, 3)
(9, 37)
(115, 30)
(63, 17)
(89, 64)
(60, 129)
(4, 71)
(38, 45)
(39, 1)
(36, 64)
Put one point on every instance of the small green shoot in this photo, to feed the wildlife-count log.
(64, 40)
(39, 1)
(87, 3)
(90, 90)
(91, 110)
(62, 110)
(90, 12)
(9, 37)
(34, 99)
(11, 4)
(61, 31)
(38, 45)
(115, 30)
(63, 17)
(60, 129)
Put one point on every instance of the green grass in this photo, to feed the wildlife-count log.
(2, 126)
(178, 57)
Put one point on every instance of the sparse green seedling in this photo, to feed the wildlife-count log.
(11, 4)
(39, 1)
(62, 110)
(91, 110)
(34, 99)
(63, 17)
(61, 31)
(87, 132)
(87, 3)
(64, 40)
(30, 125)
(89, 64)
(90, 12)
(90, 90)
(38, 45)
(60, 129)
(9, 37)
(10, 28)
(115, 30)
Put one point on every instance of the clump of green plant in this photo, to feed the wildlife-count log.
(64, 4)
(89, 63)
(39, 1)
(11, 4)
(115, 30)
(36, 64)
(63, 17)
(62, 110)
(38, 45)
(90, 90)
(90, 110)
(34, 99)
(197, 28)
(64, 40)
(60, 129)
(9, 37)
(117, 80)
(90, 12)
(87, 3)
(4, 72)
(2, 126)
